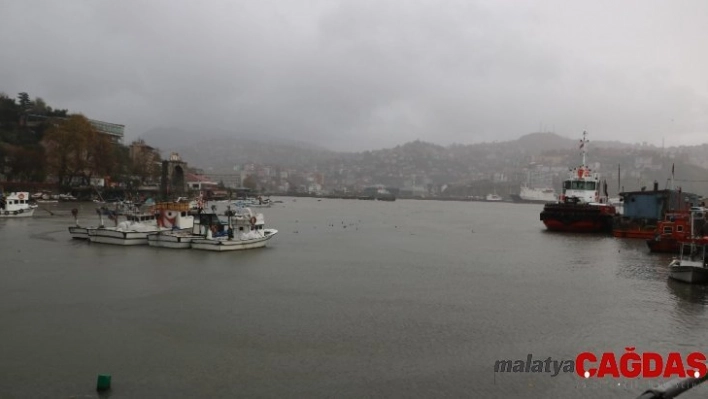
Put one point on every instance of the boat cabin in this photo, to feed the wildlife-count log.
(14, 203)
(655, 204)
(693, 253)
(582, 186)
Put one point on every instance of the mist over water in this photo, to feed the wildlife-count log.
(351, 299)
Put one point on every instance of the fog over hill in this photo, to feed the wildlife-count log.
(418, 162)
(218, 149)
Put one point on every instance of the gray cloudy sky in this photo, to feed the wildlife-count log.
(364, 74)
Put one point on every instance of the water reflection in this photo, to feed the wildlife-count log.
(688, 294)
(636, 262)
(632, 244)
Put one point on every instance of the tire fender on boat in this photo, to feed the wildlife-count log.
(22, 210)
(253, 220)
(14, 212)
(7, 213)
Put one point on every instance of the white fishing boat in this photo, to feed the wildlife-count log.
(692, 265)
(135, 230)
(77, 232)
(243, 229)
(177, 229)
(258, 202)
(249, 240)
(16, 205)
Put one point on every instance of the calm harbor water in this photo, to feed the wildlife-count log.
(351, 299)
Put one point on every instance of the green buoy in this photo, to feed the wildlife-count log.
(104, 382)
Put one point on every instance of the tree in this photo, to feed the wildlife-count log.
(71, 149)
(9, 111)
(40, 107)
(25, 164)
(103, 156)
(25, 102)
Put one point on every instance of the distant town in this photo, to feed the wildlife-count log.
(45, 149)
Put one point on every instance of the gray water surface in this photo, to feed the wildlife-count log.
(351, 299)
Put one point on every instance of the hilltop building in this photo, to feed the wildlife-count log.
(112, 130)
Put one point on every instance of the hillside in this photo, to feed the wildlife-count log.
(504, 165)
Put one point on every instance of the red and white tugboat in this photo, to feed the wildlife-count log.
(581, 208)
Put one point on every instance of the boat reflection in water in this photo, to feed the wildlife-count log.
(693, 294)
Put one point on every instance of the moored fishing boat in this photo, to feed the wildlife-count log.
(16, 205)
(580, 208)
(135, 230)
(242, 230)
(250, 202)
(174, 232)
(692, 264)
(77, 232)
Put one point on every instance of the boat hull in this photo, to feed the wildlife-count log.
(644, 233)
(689, 274)
(116, 237)
(577, 218)
(78, 233)
(22, 213)
(221, 245)
(664, 245)
(171, 240)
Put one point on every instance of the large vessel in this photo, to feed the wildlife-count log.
(535, 195)
(580, 208)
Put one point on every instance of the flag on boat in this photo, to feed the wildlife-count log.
(672, 169)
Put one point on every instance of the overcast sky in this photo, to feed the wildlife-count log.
(367, 74)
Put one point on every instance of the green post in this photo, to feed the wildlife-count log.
(104, 382)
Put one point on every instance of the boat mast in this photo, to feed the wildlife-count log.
(582, 146)
(619, 190)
